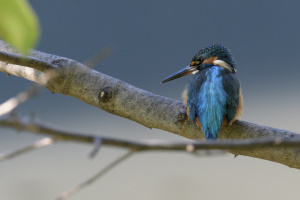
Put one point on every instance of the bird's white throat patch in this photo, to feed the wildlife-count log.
(223, 64)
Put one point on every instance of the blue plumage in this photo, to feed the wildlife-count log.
(213, 93)
(207, 100)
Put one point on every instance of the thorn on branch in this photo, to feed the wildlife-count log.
(97, 146)
(105, 94)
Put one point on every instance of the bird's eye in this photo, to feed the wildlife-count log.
(197, 62)
(193, 63)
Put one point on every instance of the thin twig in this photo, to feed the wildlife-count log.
(28, 61)
(222, 144)
(94, 178)
(14, 102)
(99, 57)
(37, 145)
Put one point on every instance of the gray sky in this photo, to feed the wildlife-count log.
(151, 40)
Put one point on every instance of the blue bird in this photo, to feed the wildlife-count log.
(213, 95)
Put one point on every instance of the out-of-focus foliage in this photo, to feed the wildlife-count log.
(18, 24)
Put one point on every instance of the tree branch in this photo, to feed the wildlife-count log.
(117, 97)
(14, 102)
(255, 144)
(37, 145)
(22, 60)
(94, 178)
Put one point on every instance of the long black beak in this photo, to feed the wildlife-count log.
(185, 71)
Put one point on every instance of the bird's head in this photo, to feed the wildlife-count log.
(215, 54)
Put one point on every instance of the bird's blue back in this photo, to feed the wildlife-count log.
(213, 93)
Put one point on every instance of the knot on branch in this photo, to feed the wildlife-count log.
(181, 117)
(59, 62)
(105, 94)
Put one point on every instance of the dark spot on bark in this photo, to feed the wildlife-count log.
(105, 94)
(181, 117)
(60, 62)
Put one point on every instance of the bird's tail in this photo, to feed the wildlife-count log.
(212, 108)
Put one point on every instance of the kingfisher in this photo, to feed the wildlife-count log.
(213, 96)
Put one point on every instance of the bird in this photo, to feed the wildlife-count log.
(213, 96)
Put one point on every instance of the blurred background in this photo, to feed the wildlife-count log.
(151, 40)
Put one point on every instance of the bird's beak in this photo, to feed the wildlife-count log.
(185, 71)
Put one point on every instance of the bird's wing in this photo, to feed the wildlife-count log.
(193, 90)
(213, 95)
(231, 86)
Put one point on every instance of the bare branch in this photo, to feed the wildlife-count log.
(14, 102)
(28, 61)
(94, 178)
(153, 111)
(285, 145)
(37, 145)
(37, 67)
(230, 144)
